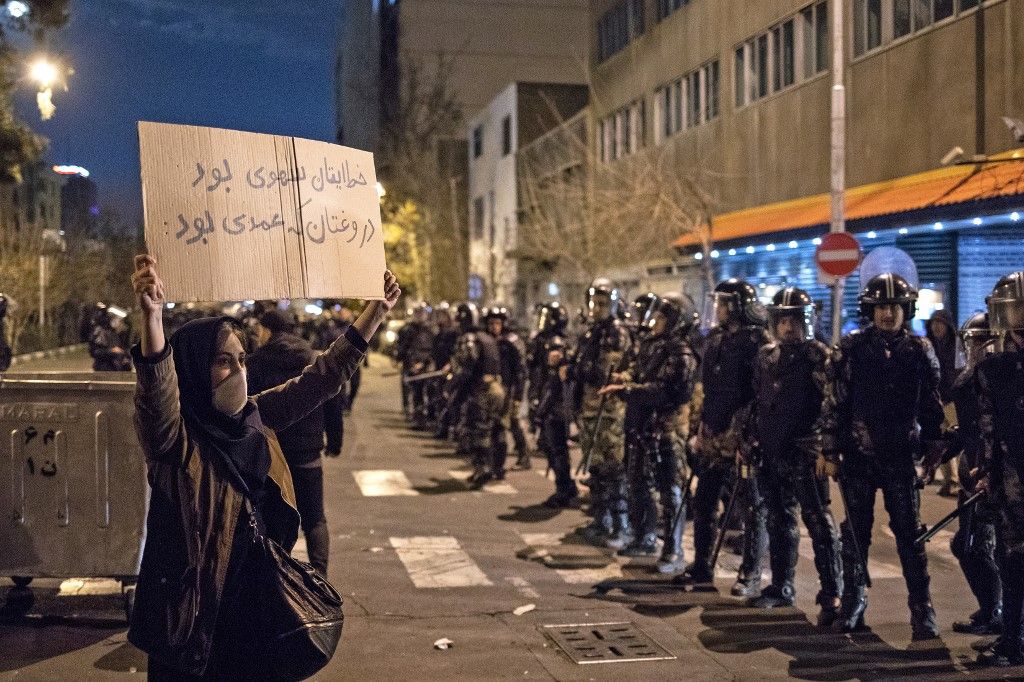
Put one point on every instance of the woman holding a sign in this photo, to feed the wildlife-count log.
(205, 442)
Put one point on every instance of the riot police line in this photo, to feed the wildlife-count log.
(761, 415)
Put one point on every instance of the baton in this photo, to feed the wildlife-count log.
(948, 518)
(426, 376)
(861, 559)
(683, 502)
(725, 522)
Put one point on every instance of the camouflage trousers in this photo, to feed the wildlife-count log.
(481, 434)
(607, 451)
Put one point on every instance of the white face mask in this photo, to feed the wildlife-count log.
(229, 396)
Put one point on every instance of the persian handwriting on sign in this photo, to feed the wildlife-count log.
(262, 178)
(219, 177)
(205, 225)
(317, 230)
(327, 176)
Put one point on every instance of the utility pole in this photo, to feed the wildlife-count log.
(838, 158)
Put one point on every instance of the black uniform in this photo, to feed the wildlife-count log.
(107, 349)
(1000, 387)
(477, 396)
(413, 349)
(552, 419)
(536, 376)
(663, 378)
(883, 399)
(513, 379)
(789, 385)
(727, 376)
(974, 543)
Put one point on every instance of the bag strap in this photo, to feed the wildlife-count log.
(243, 488)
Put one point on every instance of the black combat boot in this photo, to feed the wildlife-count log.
(622, 534)
(851, 614)
(643, 546)
(775, 596)
(922, 622)
(829, 611)
(671, 560)
(981, 622)
(695, 574)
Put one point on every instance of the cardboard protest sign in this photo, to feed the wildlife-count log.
(233, 216)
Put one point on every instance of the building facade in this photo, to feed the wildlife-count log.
(741, 90)
(517, 117)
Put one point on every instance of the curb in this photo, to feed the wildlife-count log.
(45, 354)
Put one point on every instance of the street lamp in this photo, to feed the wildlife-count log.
(45, 74)
(17, 9)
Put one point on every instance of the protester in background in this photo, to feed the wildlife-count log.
(283, 357)
(941, 331)
(107, 344)
(205, 441)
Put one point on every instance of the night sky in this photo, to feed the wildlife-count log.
(259, 65)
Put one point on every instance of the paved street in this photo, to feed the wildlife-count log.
(419, 558)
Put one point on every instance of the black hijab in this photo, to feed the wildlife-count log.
(238, 439)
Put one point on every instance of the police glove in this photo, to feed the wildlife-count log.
(933, 453)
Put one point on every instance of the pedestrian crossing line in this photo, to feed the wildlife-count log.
(496, 487)
(434, 562)
(383, 483)
(542, 542)
(523, 587)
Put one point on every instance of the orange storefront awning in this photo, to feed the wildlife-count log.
(1002, 175)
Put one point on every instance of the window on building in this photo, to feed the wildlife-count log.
(711, 89)
(688, 101)
(877, 23)
(900, 18)
(619, 25)
(478, 218)
(762, 66)
(491, 222)
(693, 97)
(942, 9)
(506, 136)
(922, 13)
(807, 43)
(622, 132)
(740, 76)
(821, 41)
(667, 7)
(788, 54)
(874, 24)
(478, 141)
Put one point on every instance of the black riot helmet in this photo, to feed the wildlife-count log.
(1006, 304)
(740, 299)
(467, 316)
(793, 302)
(677, 309)
(602, 287)
(974, 335)
(637, 313)
(887, 289)
(495, 312)
(551, 318)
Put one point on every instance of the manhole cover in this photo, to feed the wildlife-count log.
(621, 642)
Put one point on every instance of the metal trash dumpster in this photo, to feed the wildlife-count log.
(73, 491)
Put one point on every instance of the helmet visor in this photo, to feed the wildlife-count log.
(802, 315)
(1006, 315)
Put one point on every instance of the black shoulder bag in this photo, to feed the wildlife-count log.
(301, 615)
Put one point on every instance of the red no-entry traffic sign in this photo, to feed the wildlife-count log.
(838, 254)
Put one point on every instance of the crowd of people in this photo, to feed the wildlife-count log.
(748, 411)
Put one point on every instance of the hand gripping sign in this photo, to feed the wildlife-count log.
(233, 215)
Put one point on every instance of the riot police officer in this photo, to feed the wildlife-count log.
(413, 349)
(513, 378)
(598, 353)
(1000, 386)
(783, 436)
(550, 325)
(446, 335)
(659, 386)
(883, 390)
(552, 420)
(727, 377)
(106, 343)
(974, 543)
(477, 396)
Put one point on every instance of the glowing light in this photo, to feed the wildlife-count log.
(732, 252)
(381, 192)
(872, 234)
(552, 289)
(816, 241)
(715, 253)
(71, 170)
(749, 249)
(976, 221)
(1015, 216)
(43, 72)
(698, 256)
(313, 309)
(391, 336)
(170, 306)
(770, 247)
(793, 244)
(17, 9)
(937, 226)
